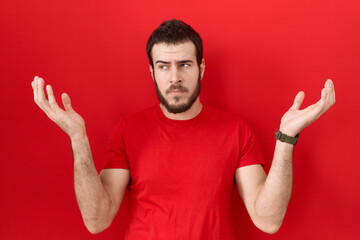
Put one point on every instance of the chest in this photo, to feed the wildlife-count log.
(172, 158)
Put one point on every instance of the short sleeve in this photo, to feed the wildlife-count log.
(249, 150)
(115, 154)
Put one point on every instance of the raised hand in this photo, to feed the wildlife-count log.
(69, 121)
(295, 120)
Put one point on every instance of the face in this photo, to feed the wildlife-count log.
(176, 75)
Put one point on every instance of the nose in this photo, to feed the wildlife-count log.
(175, 76)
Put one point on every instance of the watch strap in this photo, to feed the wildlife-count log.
(285, 138)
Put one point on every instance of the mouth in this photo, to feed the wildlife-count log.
(176, 90)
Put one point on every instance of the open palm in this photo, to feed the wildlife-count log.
(68, 120)
(295, 120)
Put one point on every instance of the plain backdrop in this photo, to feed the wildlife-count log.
(258, 55)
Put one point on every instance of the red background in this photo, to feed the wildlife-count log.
(258, 54)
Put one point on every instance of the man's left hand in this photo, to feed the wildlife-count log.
(295, 120)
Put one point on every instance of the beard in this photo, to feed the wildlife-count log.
(174, 108)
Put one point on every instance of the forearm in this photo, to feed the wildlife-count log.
(92, 198)
(274, 196)
(267, 197)
(96, 207)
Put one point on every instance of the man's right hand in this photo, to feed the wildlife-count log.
(69, 121)
(98, 197)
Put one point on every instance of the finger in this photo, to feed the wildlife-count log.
(41, 100)
(35, 79)
(40, 89)
(51, 96)
(32, 82)
(328, 86)
(330, 93)
(323, 104)
(331, 87)
(298, 101)
(323, 94)
(66, 101)
(33, 85)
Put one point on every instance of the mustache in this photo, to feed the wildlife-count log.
(178, 87)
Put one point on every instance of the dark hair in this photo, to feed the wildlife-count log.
(173, 32)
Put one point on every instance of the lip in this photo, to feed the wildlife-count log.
(176, 92)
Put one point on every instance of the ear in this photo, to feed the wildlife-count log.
(202, 68)
(151, 71)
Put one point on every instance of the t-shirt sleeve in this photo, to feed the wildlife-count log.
(249, 150)
(115, 154)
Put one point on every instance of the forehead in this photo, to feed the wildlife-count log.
(173, 52)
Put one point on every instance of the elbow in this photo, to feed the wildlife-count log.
(268, 222)
(97, 223)
(270, 226)
(95, 227)
(93, 230)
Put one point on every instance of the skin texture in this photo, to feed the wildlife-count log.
(177, 65)
(99, 196)
(266, 197)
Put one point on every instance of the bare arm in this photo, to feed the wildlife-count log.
(98, 197)
(266, 197)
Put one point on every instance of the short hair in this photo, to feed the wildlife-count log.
(173, 32)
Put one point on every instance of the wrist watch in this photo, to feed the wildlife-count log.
(285, 138)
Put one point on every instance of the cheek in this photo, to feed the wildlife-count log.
(160, 77)
(193, 78)
(160, 83)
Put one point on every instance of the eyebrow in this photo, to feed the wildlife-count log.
(182, 61)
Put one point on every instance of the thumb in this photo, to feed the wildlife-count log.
(66, 101)
(298, 101)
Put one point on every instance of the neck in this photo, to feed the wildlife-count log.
(192, 112)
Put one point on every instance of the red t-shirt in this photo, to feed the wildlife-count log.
(182, 172)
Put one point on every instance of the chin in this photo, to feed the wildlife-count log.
(178, 108)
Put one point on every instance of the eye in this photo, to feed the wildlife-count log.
(183, 65)
(163, 67)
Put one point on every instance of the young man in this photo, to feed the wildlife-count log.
(180, 159)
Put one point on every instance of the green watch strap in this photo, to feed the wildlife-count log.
(285, 138)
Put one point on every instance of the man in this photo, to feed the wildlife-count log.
(180, 159)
